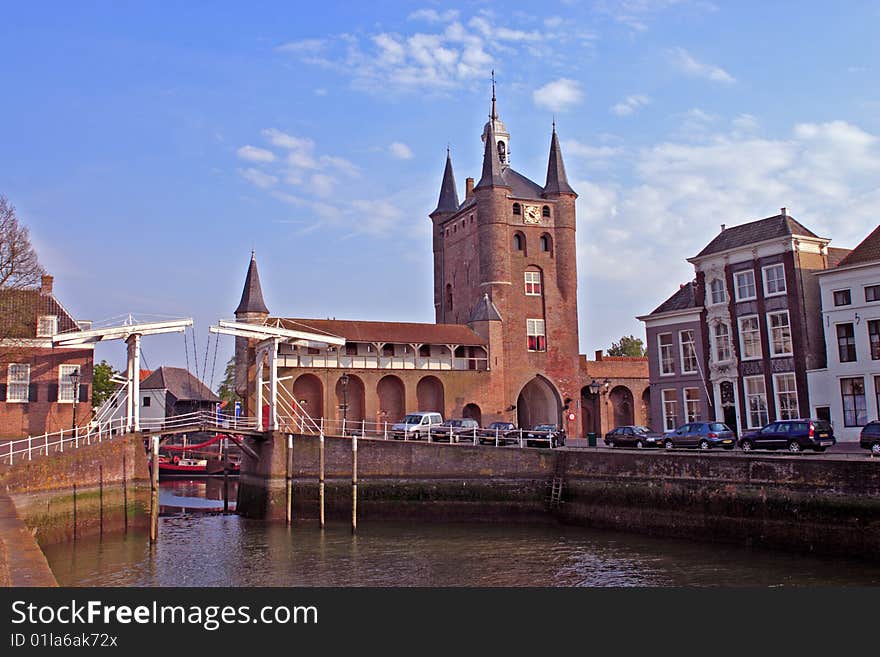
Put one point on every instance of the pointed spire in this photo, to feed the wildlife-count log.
(491, 176)
(494, 114)
(448, 201)
(557, 181)
(252, 294)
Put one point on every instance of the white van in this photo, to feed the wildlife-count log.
(416, 425)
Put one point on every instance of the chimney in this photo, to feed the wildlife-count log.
(599, 354)
(46, 284)
(783, 212)
(468, 187)
(723, 227)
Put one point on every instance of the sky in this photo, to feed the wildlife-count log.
(149, 147)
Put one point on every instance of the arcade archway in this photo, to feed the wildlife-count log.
(538, 403)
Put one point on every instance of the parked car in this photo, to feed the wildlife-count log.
(704, 435)
(414, 426)
(793, 435)
(633, 436)
(545, 435)
(870, 437)
(455, 428)
(504, 432)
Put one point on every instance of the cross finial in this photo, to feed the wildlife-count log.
(494, 114)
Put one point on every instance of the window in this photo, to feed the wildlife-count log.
(852, 393)
(517, 209)
(425, 351)
(780, 333)
(716, 290)
(66, 391)
(388, 350)
(750, 338)
(670, 409)
(146, 403)
(351, 349)
(756, 401)
(874, 338)
(545, 243)
(536, 338)
(722, 342)
(47, 326)
(533, 283)
(786, 396)
(774, 280)
(545, 211)
(872, 293)
(842, 298)
(18, 378)
(691, 404)
(846, 343)
(688, 352)
(519, 242)
(667, 363)
(744, 285)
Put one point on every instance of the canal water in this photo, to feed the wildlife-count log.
(199, 546)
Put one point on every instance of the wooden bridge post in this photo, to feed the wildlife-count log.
(354, 483)
(154, 490)
(289, 478)
(321, 478)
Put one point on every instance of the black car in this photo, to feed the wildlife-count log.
(456, 428)
(502, 432)
(704, 435)
(793, 435)
(870, 437)
(633, 436)
(545, 435)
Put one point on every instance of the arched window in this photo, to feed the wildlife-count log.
(545, 211)
(517, 209)
(519, 242)
(546, 244)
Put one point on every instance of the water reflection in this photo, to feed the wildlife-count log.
(203, 494)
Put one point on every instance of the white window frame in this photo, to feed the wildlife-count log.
(533, 278)
(15, 379)
(736, 285)
(749, 395)
(665, 402)
(711, 292)
(764, 271)
(64, 384)
(536, 328)
(54, 326)
(691, 404)
(778, 392)
(718, 358)
(742, 334)
(682, 349)
(663, 360)
(773, 352)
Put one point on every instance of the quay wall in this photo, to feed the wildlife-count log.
(805, 504)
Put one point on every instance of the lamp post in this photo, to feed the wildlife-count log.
(595, 388)
(344, 381)
(74, 381)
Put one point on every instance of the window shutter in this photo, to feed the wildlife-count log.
(32, 392)
(2, 392)
(83, 392)
(53, 392)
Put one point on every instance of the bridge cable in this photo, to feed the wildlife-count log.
(205, 366)
(186, 351)
(214, 364)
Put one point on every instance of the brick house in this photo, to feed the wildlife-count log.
(505, 342)
(37, 393)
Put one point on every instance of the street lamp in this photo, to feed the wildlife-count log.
(74, 381)
(344, 381)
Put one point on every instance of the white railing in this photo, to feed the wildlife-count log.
(372, 362)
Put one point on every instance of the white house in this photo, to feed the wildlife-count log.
(847, 390)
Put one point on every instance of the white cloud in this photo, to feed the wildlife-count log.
(340, 164)
(574, 148)
(284, 140)
(322, 184)
(400, 151)
(304, 46)
(433, 16)
(559, 95)
(745, 123)
(637, 14)
(254, 154)
(689, 65)
(258, 178)
(630, 104)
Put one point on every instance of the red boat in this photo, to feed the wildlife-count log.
(182, 466)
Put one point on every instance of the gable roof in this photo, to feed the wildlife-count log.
(867, 251)
(19, 310)
(836, 255)
(179, 382)
(382, 332)
(683, 299)
(781, 225)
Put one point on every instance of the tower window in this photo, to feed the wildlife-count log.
(502, 152)
(519, 242)
(517, 209)
(449, 296)
(545, 211)
(533, 283)
(546, 244)
(537, 339)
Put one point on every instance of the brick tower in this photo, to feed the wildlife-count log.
(251, 309)
(511, 243)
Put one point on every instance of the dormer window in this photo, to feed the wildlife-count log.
(47, 326)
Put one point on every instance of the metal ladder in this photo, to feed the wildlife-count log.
(556, 485)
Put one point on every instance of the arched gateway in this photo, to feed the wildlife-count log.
(538, 403)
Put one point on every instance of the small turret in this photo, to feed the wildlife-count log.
(557, 181)
(448, 201)
(252, 295)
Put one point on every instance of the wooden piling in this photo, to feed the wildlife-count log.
(124, 494)
(354, 483)
(154, 491)
(74, 512)
(100, 500)
(321, 479)
(225, 476)
(289, 476)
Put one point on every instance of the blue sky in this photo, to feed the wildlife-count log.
(150, 146)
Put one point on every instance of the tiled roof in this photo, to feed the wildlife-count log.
(448, 201)
(484, 311)
(520, 187)
(781, 225)
(683, 299)
(396, 332)
(252, 294)
(557, 180)
(867, 251)
(19, 310)
(179, 382)
(835, 255)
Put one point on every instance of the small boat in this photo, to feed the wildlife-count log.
(182, 466)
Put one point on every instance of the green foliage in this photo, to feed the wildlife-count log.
(226, 391)
(102, 384)
(629, 345)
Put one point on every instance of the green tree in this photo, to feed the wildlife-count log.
(102, 383)
(226, 391)
(629, 345)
